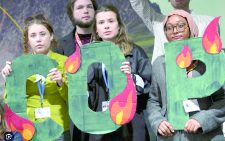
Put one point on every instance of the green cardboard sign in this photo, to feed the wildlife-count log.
(23, 67)
(80, 113)
(180, 88)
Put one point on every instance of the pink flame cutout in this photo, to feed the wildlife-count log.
(211, 41)
(16, 123)
(184, 58)
(72, 63)
(123, 106)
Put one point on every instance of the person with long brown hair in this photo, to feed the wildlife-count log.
(108, 26)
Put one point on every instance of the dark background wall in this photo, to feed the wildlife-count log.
(13, 12)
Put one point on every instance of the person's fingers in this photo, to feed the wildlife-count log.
(56, 78)
(6, 70)
(191, 126)
(165, 129)
(186, 127)
(195, 129)
(8, 63)
(126, 71)
(162, 128)
(53, 70)
(125, 68)
(161, 132)
(55, 75)
(125, 63)
(169, 127)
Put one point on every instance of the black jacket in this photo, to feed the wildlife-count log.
(66, 45)
(140, 65)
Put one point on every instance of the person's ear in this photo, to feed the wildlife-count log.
(51, 38)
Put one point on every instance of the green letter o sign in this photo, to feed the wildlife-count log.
(23, 67)
(80, 113)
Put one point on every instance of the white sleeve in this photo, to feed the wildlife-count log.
(147, 13)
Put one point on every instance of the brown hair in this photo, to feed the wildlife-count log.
(37, 19)
(70, 8)
(2, 122)
(121, 39)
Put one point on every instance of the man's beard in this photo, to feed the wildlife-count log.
(82, 24)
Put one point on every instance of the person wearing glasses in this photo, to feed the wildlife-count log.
(39, 37)
(202, 125)
(154, 21)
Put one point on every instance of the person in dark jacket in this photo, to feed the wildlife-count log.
(108, 26)
(203, 124)
(81, 14)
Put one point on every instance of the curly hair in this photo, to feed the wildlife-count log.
(37, 19)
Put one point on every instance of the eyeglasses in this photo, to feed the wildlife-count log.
(180, 27)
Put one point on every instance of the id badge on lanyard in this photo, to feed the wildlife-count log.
(42, 112)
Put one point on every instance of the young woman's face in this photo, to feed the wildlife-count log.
(107, 26)
(176, 28)
(39, 38)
